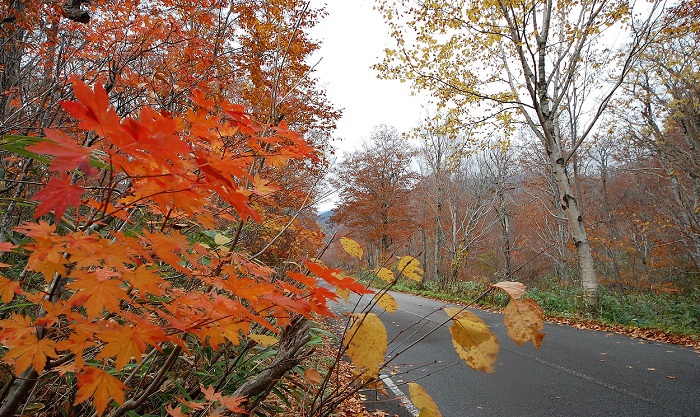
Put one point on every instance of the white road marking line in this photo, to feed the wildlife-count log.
(400, 395)
(597, 382)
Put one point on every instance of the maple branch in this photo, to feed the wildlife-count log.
(303, 207)
(18, 392)
(152, 387)
(293, 339)
(73, 11)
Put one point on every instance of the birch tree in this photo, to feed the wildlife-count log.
(438, 152)
(521, 61)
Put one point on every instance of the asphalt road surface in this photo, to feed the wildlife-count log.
(574, 373)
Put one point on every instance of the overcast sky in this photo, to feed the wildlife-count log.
(353, 38)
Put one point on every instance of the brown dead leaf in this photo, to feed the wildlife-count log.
(312, 376)
(524, 319)
(514, 289)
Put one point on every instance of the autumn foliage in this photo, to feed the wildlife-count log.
(126, 277)
(125, 274)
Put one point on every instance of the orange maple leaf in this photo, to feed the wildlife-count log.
(46, 256)
(231, 403)
(6, 246)
(336, 277)
(95, 113)
(96, 291)
(88, 251)
(8, 289)
(145, 281)
(167, 247)
(77, 343)
(31, 351)
(15, 328)
(175, 412)
(125, 342)
(40, 229)
(100, 385)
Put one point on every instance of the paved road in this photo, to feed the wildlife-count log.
(574, 373)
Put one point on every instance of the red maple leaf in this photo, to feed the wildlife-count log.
(68, 155)
(335, 277)
(95, 113)
(57, 195)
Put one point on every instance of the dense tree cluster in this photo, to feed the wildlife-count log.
(623, 165)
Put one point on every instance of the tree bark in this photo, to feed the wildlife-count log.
(18, 393)
(289, 355)
(504, 218)
(12, 36)
(570, 206)
(438, 240)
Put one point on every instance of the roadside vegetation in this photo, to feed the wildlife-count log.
(661, 316)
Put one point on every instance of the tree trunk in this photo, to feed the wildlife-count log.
(571, 209)
(438, 241)
(424, 238)
(504, 218)
(552, 140)
(11, 38)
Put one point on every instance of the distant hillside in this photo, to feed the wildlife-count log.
(324, 219)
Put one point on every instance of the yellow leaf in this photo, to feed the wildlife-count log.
(385, 274)
(220, 239)
(410, 267)
(472, 340)
(318, 261)
(343, 293)
(351, 247)
(422, 400)
(524, 318)
(514, 289)
(366, 343)
(263, 340)
(386, 302)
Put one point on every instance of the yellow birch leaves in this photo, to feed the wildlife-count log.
(423, 401)
(385, 275)
(351, 247)
(474, 342)
(387, 302)
(410, 267)
(366, 343)
(524, 319)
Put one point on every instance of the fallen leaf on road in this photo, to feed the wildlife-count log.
(671, 377)
(651, 369)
